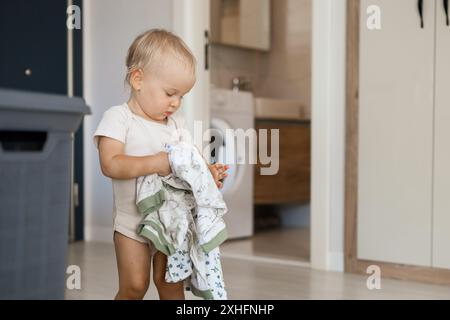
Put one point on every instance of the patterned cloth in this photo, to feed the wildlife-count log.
(183, 217)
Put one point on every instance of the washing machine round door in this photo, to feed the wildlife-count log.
(221, 152)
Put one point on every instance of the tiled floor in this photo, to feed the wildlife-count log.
(246, 279)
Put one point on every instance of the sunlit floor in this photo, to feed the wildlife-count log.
(247, 279)
(290, 244)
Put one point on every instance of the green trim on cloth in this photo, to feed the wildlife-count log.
(159, 229)
(216, 241)
(154, 239)
(205, 294)
(152, 203)
(150, 227)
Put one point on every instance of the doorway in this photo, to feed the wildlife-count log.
(262, 63)
(327, 116)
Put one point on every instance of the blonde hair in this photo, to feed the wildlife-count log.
(153, 44)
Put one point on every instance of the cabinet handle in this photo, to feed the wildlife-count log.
(420, 7)
(446, 11)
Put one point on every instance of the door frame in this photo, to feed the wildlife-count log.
(191, 17)
(352, 263)
(75, 88)
(190, 21)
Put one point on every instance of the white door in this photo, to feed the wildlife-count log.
(396, 133)
(441, 216)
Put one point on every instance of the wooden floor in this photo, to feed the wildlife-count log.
(246, 279)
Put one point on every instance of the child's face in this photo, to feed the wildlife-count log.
(162, 88)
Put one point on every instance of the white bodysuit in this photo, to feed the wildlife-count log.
(141, 137)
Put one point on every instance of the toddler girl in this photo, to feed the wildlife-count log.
(131, 138)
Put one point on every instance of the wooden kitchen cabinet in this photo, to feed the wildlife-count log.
(292, 182)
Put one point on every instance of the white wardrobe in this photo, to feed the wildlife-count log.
(403, 193)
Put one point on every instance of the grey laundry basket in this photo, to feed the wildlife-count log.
(36, 146)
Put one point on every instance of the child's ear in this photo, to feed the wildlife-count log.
(136, 78)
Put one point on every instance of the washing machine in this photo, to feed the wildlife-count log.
(232, 110)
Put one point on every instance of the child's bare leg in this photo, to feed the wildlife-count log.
(133, 263)
(166, 291)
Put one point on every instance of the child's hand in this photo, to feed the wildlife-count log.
(163, 163)
(218, 173)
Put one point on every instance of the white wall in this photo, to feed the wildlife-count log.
(109, 27)
(328, 134)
